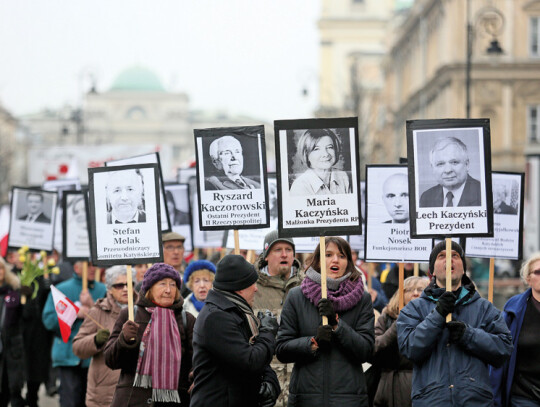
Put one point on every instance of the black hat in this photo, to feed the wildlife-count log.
(234, 273)
(442, 246)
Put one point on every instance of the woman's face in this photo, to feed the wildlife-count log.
(119, 289)
(533, 279)
(140, 269)
(336, 261)
(164, 292)
(200, 285)
(323, 155)
(412, 293)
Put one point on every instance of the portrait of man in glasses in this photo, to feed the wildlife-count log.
(228, 159)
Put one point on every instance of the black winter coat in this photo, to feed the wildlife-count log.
(122, 355)
(228, 371)
(330, 379)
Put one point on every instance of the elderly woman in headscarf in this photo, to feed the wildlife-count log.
(94, 333)
(153, 352)
(11, 351)
(199, 278)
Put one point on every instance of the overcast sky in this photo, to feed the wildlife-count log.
(244, 56)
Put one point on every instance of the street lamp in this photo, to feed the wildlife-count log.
(492, 22)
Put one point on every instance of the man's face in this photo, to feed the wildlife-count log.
(173, 253)
(396, 197)
(230, 156)
(90, 270)
(440, 269)
(248, 294)
(124, 192)
(280, 258)
(450, 166)
(34, 203)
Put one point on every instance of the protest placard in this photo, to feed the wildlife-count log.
(75, 236)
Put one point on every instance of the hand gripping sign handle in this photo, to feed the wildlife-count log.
(324, 293)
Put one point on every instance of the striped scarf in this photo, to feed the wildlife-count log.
(252, 320)
(160, 352)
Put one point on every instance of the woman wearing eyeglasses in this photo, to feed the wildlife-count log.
(395, 385)
(517, 382)
(91, 337)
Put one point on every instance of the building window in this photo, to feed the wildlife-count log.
(533, 123)
(535, 37)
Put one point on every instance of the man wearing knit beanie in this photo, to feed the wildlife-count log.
(452, 354)
(232, 347)
(278, 272)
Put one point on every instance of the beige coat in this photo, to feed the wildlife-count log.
(101, 380)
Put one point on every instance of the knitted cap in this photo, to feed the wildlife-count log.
(234, 273)
(198, 265)
(439, 247)
(271, 239)
(158, 272)
(167, 237)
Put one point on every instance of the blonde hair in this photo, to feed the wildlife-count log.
(408, 284)
(525, 270)
(198, 273)
(10, 278)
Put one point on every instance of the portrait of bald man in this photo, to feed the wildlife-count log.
(228, 159)
(449, 161)
(396, 198)
(125, 202)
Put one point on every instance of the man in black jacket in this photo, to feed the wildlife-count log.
(232, 348)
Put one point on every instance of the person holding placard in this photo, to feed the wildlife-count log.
(228, 158)
(72, 370)
(232, 346)
(451, 359)
(94, 333)
(319, 150)
(328, 358)
(199, 276)
(154, 351)
(517, 382)
(173, 255)
(450, 164)
(394, 388)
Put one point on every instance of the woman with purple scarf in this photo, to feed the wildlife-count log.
(154, 351)
(328, 358)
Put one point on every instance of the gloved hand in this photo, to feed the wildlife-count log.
(268, 322)
(326, 309)
(101, 337)
(324, 337)
(27, 291)
(446, 303)
(457, 329)
(129, 331)
(267, 395)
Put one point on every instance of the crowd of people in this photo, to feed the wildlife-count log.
(225, 332)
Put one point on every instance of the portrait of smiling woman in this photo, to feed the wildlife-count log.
(319, 151)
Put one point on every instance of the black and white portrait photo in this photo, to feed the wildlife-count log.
(124, 214)
(318, 176)
(231, 178)
(33, 214)
(76, 240)
(179, 208)
(152, 158)
(387, 236)
(507, 241)
(317, 166)
(450, 159)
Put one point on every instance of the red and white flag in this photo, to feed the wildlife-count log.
(66, 311)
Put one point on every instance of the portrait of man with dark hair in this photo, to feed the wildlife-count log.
(449, 161)
(125, 202)
(227, 156)
(34, 208)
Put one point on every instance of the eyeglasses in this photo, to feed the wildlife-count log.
(415, 290)
(536, 272)
(173, 248)
(119, 286)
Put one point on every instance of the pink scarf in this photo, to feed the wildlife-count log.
(160, 352)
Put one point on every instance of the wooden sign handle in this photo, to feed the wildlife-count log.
(324, 290)
(236, 242)
(85, 276)
(400, 285)
(491, 278)
(129, 280)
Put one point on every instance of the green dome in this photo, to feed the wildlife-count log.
(403, 4)
(137, 79)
